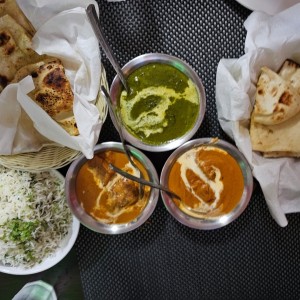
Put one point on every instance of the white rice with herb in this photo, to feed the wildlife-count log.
(34, 216)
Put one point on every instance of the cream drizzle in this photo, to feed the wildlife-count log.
(105, 189)
(153, 121)
(188, 161)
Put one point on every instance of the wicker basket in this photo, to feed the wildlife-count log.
(51, 157)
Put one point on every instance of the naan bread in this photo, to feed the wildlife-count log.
(15, 49)
(275, 120)
(69, 124)
(276, 99)
(277, 140)
(10, 7)
(281, 154)
(52, 91)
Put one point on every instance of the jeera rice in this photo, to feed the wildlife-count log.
(34, 216)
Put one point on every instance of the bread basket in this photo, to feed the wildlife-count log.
(54, 156)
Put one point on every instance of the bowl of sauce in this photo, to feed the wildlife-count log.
(213, 180)
(105, 201)
(165, 105)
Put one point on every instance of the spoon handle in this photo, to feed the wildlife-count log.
(93, 18)
(118, 123)
(143, 181)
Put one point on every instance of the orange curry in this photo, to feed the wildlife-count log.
(106, 195)
(208, 180)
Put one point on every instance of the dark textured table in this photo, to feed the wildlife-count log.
(251, 258)
(64, 277)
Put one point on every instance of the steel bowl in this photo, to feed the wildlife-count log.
(88, 220)
(204, 222)
(117, 87)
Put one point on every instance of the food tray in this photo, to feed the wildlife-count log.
(54, 156)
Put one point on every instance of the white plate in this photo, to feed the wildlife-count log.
(271, 7)
(65, 247)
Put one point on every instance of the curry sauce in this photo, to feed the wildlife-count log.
(163, 103)
(207, 179)
(106, 195)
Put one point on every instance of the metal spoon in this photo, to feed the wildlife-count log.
(143, 181)
(156, 186)
(93, 18)
(119, 126)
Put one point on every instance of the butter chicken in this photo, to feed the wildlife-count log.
(106, 195)
(208, 180)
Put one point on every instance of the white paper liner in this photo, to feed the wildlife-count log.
(269, 41)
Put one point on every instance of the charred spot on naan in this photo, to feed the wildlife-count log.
(286, 98)
(3, 82)
(56, 79)
(4, 40)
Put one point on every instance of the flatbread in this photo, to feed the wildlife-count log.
(275, 120)
(10, 7)
(277, 140)
(274, 154)
(290, 71)
(276, 99)
(69, 124)
(15, 49)
(52, 91)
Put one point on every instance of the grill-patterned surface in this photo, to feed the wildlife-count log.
(251, 258)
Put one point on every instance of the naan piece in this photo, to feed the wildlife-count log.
(10, 7)
(274, 154)
(276, 99)
(290, 71)
(277, 140)
(15, 49)
(52, 91)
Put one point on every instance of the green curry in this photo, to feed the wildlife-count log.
(163, 103)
